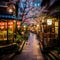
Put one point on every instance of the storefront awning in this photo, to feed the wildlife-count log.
(8, 16)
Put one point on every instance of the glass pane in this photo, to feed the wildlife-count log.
(56, 23)
(3, 32)
(10, 30)
(56, 30)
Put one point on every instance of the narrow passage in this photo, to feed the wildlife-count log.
(31, 50)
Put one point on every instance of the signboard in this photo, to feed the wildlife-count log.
(8, 16)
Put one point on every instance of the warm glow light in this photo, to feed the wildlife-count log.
(42, 21)
(24, 26)
(5, 24)
(2, 23)
(49, 21)
(10, 10)
(56, 23)
(10, 23)
(37, 25)
(10, 26)
(18, 23)
(22, 33)
(14, 20)
(18, 26)
(2, 27)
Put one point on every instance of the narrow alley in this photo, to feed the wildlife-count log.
(29, 29)
(31, 50)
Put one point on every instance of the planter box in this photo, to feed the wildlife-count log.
(10, 48)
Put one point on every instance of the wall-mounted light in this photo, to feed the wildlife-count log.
(11, 9)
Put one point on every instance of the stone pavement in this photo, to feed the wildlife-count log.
(31, 50)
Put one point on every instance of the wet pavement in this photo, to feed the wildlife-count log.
(31, 50)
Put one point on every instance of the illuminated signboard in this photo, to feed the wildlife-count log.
(8, 16)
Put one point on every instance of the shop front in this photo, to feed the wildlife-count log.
(8, 29)
(49, 33)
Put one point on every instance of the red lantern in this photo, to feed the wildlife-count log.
(2, 25)
(18, 24)
(22, 33)
(10, 24)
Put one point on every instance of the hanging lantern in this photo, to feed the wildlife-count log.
(22, 33)
(2, 25)
(18, 24)
(10, 24)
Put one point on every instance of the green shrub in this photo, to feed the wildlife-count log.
(18, 38)
(26, 35)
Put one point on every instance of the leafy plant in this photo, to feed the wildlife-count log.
(26, 35)
(18, 38)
